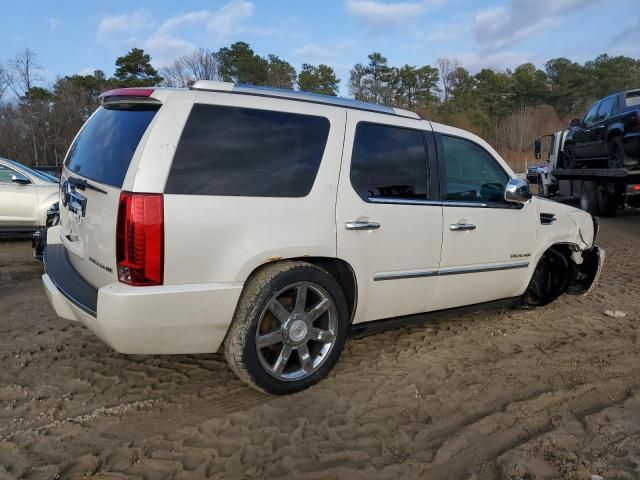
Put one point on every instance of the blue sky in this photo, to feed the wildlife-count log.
(79, 36)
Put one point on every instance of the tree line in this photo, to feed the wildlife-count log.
(508, 108)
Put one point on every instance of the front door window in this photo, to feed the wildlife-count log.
(472, 175)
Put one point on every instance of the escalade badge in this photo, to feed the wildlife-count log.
(101, 265)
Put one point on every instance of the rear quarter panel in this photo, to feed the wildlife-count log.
(223, 239)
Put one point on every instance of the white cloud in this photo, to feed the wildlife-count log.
(498, 27)
(313, 53)
(119, 29)
(388, 14)
(474, 62)
(87, 70)
(53, 23)
(441, 32)
(168, 39)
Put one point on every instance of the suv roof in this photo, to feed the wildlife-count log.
(214, 86)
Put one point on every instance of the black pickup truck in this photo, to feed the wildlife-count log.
(609, 134)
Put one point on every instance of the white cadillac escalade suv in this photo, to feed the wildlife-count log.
(274, 222)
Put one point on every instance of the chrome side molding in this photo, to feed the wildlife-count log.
(489, 267)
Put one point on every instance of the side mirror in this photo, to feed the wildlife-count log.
(517, 191)
(20, 179)
(576, 122)
(537, 148)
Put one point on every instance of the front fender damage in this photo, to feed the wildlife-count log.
(564, 269)
(588, 271)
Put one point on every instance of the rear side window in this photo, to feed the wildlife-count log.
(106, 144)
(247, 152)
(633, 98)
(389, 162)
(472, 174)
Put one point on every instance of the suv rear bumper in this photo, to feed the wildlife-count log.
(191, 318)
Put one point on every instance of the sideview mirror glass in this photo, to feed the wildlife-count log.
(537, 148)
(20, 179)
(517, 191)
(576, 122)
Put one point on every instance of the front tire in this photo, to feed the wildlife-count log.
(289, 328)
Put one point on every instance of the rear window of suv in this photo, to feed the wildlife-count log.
(104, 148)
(235, 151)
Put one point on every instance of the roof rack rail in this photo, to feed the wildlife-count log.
(214, 86)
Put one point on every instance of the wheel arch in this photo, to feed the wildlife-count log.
(612, 133)
(339, 269)
(578, 277)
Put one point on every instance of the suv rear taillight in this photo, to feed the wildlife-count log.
(140, 238)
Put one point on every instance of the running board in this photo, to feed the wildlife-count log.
(375, 326)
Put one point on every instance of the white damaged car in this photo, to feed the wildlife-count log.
(274, 223)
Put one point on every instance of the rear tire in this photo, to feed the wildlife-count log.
(569, 156)
(589, 197)
(615, 153)
(608, 202)
(289, 328)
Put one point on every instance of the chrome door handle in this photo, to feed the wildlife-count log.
(360, 225)
(458, 227)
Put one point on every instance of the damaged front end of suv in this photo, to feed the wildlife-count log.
(573, 261)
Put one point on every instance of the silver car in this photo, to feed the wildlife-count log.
(26, 196)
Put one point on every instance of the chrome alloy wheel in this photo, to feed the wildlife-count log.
(296, 331)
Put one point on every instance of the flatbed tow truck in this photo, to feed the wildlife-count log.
(600, 191)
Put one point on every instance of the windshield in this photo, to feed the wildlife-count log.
(34, 173)
(106, 144)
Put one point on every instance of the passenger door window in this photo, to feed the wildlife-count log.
(5, 174)
(389, 162)
(604, 111)
(471, 173)
(591, 115)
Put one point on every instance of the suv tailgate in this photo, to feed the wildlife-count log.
(92, 180)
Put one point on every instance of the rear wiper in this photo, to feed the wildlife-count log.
(82, 184)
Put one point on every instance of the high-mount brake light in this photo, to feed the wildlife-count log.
(140, 238)
(127, 92)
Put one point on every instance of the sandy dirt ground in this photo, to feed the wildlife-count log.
(547, 393)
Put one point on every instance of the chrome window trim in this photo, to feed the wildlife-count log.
(454, 203)
(404, 201)
(441, 203)
(489, 267)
